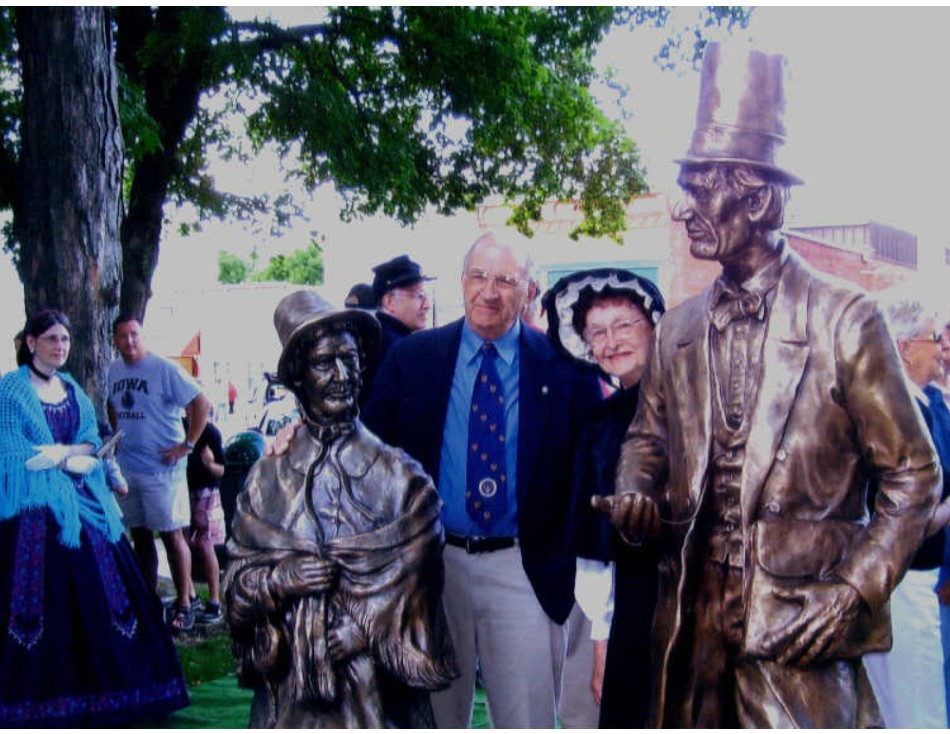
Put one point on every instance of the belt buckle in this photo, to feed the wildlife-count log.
(472, 543)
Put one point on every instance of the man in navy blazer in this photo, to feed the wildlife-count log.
(509, 586)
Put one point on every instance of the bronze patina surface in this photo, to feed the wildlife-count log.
(776, 458)
(334, 586)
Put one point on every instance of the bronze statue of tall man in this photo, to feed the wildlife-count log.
(776, 456)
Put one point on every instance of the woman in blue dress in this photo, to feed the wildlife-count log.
(82, 642)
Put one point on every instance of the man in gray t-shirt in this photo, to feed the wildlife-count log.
(147, 395)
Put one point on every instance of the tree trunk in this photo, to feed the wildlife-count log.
(69, 209)
(173, 89)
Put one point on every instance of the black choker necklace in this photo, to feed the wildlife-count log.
(39, 374)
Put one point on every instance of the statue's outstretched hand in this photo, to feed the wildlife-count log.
(822, 627)
(635, 515)
(301, 575)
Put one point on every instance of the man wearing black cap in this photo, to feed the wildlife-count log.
(402, 307)
(401, 300)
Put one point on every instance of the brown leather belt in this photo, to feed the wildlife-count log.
(478, 543)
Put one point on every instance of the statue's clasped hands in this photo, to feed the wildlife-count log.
(302, 575)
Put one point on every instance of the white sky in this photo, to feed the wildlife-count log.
(867, 112)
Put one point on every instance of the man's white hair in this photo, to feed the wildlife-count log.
(519, 245)
(906, 312)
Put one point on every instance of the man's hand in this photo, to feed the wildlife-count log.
(301, 576)
(943, 593)
(597, 673)
(174, 454)
(634, 514)
(282, 440)
(828, 611)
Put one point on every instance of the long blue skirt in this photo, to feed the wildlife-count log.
(82, 640)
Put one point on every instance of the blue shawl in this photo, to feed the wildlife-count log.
(22, 427)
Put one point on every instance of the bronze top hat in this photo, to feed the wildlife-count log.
(301, 312)
(741, 111)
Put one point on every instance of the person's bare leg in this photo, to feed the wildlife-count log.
(209, 560)
(143, 541)
(179, 561)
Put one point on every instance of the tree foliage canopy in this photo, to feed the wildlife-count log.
(401, 108)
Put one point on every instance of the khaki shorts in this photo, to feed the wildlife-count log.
(207, 516)
(157, 501)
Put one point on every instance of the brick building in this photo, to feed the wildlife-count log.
(872, 255)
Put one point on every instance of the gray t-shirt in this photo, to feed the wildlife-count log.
(148, 398)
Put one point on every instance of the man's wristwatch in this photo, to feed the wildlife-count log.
(189, 445)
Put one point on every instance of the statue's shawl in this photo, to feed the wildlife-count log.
(390, 578)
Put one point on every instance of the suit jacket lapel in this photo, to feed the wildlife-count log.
(436, 372)
(535, 401)
(785, 355)
(691, 379)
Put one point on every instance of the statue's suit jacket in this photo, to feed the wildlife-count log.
(833, 421)
(407, 408)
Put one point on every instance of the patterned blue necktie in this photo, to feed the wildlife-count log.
(941, 418)
(487, 482)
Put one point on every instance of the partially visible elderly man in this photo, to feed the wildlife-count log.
(490, 409)
(333, 591)
(773, 414)
(402, 308)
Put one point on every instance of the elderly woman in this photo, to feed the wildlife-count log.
(333, 591)
(908, 681)
(604, 319)
(83, 643)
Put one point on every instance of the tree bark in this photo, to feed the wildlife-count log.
(69, 207)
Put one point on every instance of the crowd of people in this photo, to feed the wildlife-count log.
(726, 514)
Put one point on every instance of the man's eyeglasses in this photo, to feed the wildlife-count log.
(417, 296)
(503, 282)
(598, 336)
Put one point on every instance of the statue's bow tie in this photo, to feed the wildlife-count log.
(732, 306)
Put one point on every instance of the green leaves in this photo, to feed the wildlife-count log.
(300, 267)
(405, 108)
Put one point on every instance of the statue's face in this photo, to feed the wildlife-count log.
(331, 378)
(716, 217)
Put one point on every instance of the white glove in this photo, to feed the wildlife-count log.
(48, 456)
(81, 464)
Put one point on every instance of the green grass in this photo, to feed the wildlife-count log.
(216, 700)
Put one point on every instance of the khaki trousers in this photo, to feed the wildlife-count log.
(498, 624)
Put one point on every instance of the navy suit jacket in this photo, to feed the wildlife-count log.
(407, 408)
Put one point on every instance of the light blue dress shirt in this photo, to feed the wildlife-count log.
(452, 468)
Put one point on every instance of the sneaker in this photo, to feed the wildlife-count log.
(210, 614)
(183, 620)
(197, 605)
